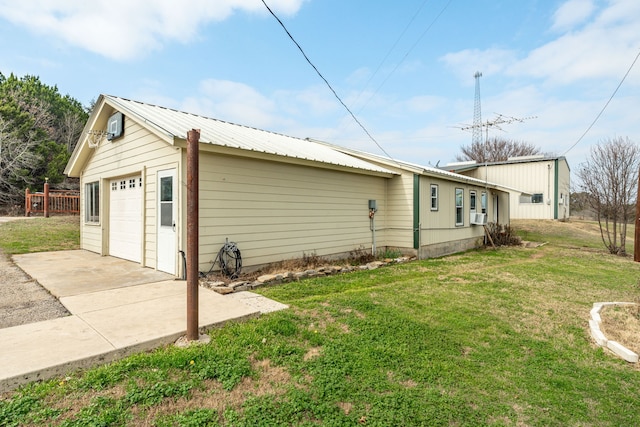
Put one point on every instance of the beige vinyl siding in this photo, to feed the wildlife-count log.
(90, 232)
(440, 226)
(399, 232)
(137, 152)
(276, 211)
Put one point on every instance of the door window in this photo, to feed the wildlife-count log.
(166, 201)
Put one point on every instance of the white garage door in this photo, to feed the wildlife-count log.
(125, 218)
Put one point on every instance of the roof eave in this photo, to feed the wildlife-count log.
(235, 151)
(81, 151)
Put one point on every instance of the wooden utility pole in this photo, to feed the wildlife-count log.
(636, 241)
(193, 139)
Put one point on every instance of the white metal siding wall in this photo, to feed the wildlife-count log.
(564, 188)
(276, 211)
(138, 151)
(533, 177)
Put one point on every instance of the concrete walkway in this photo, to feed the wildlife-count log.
(117, 308)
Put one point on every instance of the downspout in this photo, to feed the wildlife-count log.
(556, 187)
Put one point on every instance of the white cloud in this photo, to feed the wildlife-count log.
(490, 61)
(234, 102)
(602, 48)
(124, 29)
(571, 14)
(312, 101)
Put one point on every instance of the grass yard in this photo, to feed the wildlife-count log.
(487, 337)
(56, 233)
(573, 234)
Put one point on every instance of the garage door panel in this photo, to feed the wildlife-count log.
(125, 218)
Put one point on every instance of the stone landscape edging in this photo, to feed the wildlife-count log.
(601, 339)
(291, 276)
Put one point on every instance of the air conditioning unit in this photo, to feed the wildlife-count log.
(478, 219)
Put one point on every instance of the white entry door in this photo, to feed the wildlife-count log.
(167, 210)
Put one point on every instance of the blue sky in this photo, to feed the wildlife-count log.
(404, 68)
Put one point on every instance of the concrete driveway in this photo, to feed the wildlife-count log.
(68, 273)
(117, 308)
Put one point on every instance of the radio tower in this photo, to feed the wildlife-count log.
(476, 136)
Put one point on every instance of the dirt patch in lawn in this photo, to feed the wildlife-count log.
(622, 324)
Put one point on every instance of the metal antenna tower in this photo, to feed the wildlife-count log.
(476, 137)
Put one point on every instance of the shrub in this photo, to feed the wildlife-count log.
(503, 235)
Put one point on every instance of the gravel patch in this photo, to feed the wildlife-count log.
(22, 299)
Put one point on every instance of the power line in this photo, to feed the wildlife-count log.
(415, 15)
(605, 105)
(325, 80)
(407, 53)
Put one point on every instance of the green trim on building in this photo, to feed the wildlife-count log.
(555, 189)
(416, 211)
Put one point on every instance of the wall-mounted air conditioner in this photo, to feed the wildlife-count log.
(478, 218)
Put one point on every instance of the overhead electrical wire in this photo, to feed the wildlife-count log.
(326, 81)
(408, 52)
(415, 15)
(605, 105)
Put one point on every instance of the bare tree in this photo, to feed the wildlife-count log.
(69, 129)
(17, 158)
(608, 178)
(496, 150)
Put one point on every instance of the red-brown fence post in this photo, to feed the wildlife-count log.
(46, 198)
(27, 203)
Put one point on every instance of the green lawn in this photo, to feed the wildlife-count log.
(488, 337)
(40, 234)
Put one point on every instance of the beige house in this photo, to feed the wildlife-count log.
(542, 184)
(276, 196)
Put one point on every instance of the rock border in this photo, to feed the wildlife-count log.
(594, 325)
(291, 276)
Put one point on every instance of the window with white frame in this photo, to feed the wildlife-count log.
(537, 198)
(92, 202)
(459, 206)
(472, 201)
(483, 202)
(434, 197)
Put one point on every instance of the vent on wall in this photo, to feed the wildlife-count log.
(115, 126)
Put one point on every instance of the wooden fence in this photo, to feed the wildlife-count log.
(52, 201)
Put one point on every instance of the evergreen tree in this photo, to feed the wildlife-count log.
(39, 128)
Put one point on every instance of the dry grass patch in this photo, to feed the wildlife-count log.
(311, 353)
(269, 380)
(346, 407)
(622, 324)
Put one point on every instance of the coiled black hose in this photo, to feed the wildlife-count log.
(230, 260)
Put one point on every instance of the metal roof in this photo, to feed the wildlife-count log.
(470, 165)
(175, 124)
(420, 169)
